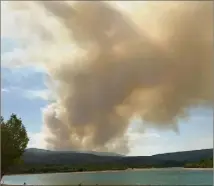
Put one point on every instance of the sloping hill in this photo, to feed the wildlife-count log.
(35, 150)
(186, 156)
(39, 156)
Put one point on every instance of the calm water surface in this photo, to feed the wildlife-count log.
(153, 177)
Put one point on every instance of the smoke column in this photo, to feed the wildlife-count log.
(155, 65)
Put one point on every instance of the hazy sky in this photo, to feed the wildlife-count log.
(24, 92)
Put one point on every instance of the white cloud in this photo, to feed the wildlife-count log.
(16, 58)
(4, 90)
(151, 143)
(145, 143)
(192, 143)
(146, 135)
(31, 27)
(36, 140)
(44, 94)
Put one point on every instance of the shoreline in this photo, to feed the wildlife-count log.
(125, 170)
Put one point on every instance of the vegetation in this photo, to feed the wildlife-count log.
(62, 168)
(114, 165)
(204, 163)
(35, 168)
(14, 140)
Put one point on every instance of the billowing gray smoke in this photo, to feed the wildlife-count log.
(126, 69)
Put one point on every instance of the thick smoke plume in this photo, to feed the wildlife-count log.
(154, 65)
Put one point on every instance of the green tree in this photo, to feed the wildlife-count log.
(14, 140)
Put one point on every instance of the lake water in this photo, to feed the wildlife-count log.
(170, 176)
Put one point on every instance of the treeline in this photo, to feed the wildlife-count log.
(30, 169)
(204, 163)
(35, 169)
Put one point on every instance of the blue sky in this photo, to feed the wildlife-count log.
(23, 91)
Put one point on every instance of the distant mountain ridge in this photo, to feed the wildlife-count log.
(36, 150)
(48, 157)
